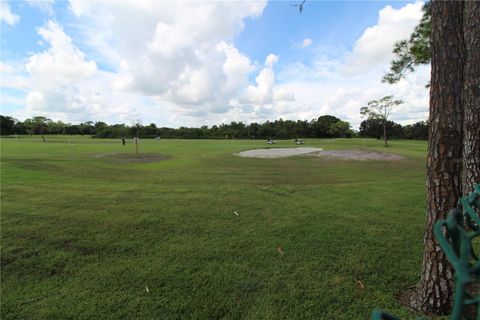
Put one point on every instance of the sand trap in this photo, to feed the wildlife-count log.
(360, 155)
(277, 152)
(131, 157)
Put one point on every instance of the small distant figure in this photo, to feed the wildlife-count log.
(299, 6)
(123, 141)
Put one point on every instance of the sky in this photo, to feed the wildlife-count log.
(195, 63)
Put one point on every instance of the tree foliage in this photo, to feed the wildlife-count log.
(322, 127)
(381, 110)
(411, 52)
(7, 125)
(373, 128)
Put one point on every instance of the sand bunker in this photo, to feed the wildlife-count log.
(360, 155)
(277, 152)
(131, 157)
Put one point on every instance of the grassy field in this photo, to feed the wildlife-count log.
(83, 236)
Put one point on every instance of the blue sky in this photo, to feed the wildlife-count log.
(194, 63)
(330, 24)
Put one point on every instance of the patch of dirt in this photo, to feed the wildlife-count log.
(359, 155)
(131, 157)
(277, 152)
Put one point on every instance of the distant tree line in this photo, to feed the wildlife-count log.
(322, 127)
(373, 128)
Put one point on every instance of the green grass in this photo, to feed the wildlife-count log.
(82, 236)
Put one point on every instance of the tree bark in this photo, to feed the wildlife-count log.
(444, 164)
(471, 97)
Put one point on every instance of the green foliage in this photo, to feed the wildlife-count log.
(82, 236)
(7, 125)
(417, 131)
(373, 128)
(323, 127)
(331, 127)
(412, 52)
(380, 109)
(340, 129)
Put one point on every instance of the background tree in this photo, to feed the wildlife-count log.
(381, 110)
(326, 126)
(29, 126)
(37, 125)
(99, 125)
(340, 129)
(373, 128)
(136, 129)
(86, 128)
(323, 124)
(417, 131)
(20, 128)
(7, 125)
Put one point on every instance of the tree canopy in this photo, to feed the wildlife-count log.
(326, 126)
(412, 52)
(380, 110)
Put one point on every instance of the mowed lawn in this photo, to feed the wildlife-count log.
(83, 236)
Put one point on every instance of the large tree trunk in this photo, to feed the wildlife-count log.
(471, 97)
(444, 164)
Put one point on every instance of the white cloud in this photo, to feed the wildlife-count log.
(43, 5)
(190, 65)
(323, 67)
(62, 62)
(14, 76)
(168, 65)
(57, 75)
(341, 85)
(236, 67)
(6, 68)
(165, 67)
(12, 100)
(306, 42)
(343, 97)
(374, 47)
(6, 14)
(263, 92)
(270, 60)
